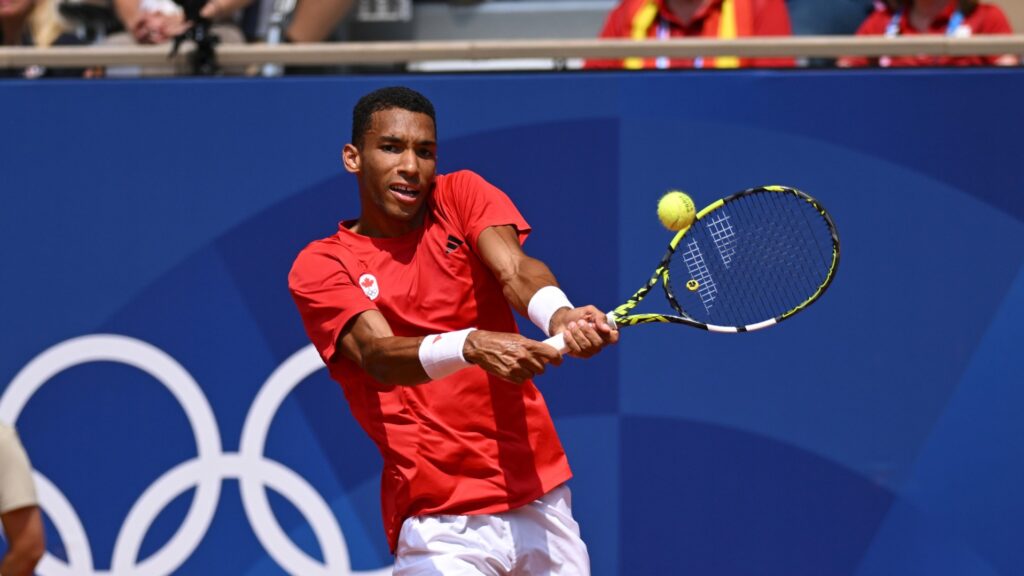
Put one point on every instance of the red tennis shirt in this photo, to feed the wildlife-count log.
(469, 443)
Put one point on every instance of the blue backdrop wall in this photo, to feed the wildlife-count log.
(160, 378)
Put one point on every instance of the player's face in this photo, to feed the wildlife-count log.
(395, 166)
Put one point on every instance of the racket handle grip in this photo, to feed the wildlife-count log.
(558, 341)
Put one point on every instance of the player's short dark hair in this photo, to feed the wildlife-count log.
(387, 99)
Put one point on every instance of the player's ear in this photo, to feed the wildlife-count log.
(351, 159)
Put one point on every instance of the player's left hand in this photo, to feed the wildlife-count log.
(585, 329)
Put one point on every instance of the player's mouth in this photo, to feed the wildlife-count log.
(405, 193)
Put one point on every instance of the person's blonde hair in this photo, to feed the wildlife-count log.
(45, 23)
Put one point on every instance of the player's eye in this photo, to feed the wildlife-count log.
(425, 153)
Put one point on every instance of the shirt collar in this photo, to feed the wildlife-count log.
(940, 20)
(705, 8)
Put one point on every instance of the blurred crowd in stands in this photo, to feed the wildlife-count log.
(44, 23)
(725, 19)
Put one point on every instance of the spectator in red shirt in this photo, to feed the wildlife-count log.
(953, 18)
(726, 19)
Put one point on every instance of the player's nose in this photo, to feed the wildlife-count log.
(408, 164)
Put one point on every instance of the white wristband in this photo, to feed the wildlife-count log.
(441, 354)
(544, 304)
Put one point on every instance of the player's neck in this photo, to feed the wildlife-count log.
(382, 226)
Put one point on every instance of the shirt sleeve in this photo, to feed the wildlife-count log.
(772, 19)
(994, 22)
(615, 26)
(477, 205)
(16, 487)
(327, 297)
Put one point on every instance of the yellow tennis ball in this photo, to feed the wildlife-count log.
(676, 210)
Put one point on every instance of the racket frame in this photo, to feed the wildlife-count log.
(620, 316)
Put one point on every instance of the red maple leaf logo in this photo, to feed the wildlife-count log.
(367, 282)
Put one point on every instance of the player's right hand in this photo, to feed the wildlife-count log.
(509, 356)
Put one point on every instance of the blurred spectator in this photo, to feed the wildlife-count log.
(662, 19)
(827, 17)
(19, 509)
(315, 20)
(305, 21)
(160, 21)
(823, 18)
(954, 18)
(34, 23)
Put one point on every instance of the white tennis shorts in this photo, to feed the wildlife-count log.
(538, 539)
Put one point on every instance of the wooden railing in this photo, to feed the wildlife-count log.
(355, 53)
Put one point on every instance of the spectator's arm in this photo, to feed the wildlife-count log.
(127, 12)
(221, 9)
(314, 20)
(25, 541)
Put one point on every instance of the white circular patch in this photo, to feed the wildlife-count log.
(369, 285)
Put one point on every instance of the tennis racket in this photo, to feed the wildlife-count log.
(747, 262)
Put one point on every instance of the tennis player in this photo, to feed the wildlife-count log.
(410, 307)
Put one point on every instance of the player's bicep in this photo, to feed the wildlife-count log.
(360, 333)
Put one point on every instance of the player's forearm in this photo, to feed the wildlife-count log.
(520, 275)
(394, 360)
(524, 281)
(369, 342)
(411, 361)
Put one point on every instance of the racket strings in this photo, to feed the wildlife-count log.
(816, 234)
(755, 258)
(760, 267)
(789, 268)
(800, 261)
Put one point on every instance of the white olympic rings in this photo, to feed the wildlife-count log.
(205, 471)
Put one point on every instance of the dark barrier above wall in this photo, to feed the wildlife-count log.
(156, 368)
